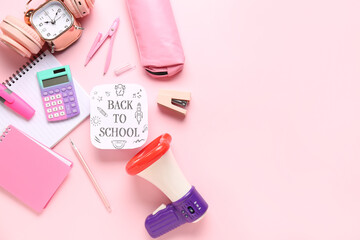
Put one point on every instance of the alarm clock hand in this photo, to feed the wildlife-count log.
(57, 19)
(52, 21)
(55, 16)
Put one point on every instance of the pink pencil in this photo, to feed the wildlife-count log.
(91, 176)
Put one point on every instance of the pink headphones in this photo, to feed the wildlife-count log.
(53, 22)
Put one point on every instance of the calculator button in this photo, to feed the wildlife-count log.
(68, 110)
(63, 89)
(53, 103)
(56, 115)
(74, 110)
(51, 92)
(50, 116)
(58, 96)
(66, 100)
(61, 108)
(65, 94)
(71, 93)
(45, 93)
(57, 90)
(52, 98)
(72, 99)
(73, 104)
(49, 110)
(62, 113)
(55, 109)
(69, 88)
(48, 104)
(59, 102)
(46, 99)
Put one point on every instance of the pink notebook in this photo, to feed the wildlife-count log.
(29, 170)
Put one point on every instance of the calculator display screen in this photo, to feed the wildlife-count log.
(55, 81)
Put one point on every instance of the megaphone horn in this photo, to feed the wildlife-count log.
(157, 164)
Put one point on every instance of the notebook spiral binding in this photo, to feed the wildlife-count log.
(24, 69)
(3, 135)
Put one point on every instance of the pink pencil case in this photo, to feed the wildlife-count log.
(158, 41)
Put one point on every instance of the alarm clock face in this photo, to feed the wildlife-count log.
(51, 20)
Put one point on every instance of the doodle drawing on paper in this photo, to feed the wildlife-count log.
(139, 140)
(118, 144)
(95, 121)
(120, 89)
(145, 128)
(137, 95)
(97, 139)
(102, 111)
(139, 114)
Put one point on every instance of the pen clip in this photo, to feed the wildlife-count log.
(5, 94)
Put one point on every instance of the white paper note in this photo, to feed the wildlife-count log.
(118, 116)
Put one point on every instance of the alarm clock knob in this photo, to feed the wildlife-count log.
(27, 16)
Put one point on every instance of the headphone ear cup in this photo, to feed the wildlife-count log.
(15, 46)
(80, 8)
(73, 9)
(22, 34)
(90, 3)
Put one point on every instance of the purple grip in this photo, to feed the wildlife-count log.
(163, 221)
(189, 208)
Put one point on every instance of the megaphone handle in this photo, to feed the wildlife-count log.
(190, 208)
(163, 221)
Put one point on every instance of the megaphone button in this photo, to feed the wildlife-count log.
(191, 210)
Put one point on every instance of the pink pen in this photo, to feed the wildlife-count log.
(14, 102)
(98, 43)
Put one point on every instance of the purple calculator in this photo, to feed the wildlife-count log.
(58, 94)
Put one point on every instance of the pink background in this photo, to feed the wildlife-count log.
(271, 139)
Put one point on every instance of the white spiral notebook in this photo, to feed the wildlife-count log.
(24, 83)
